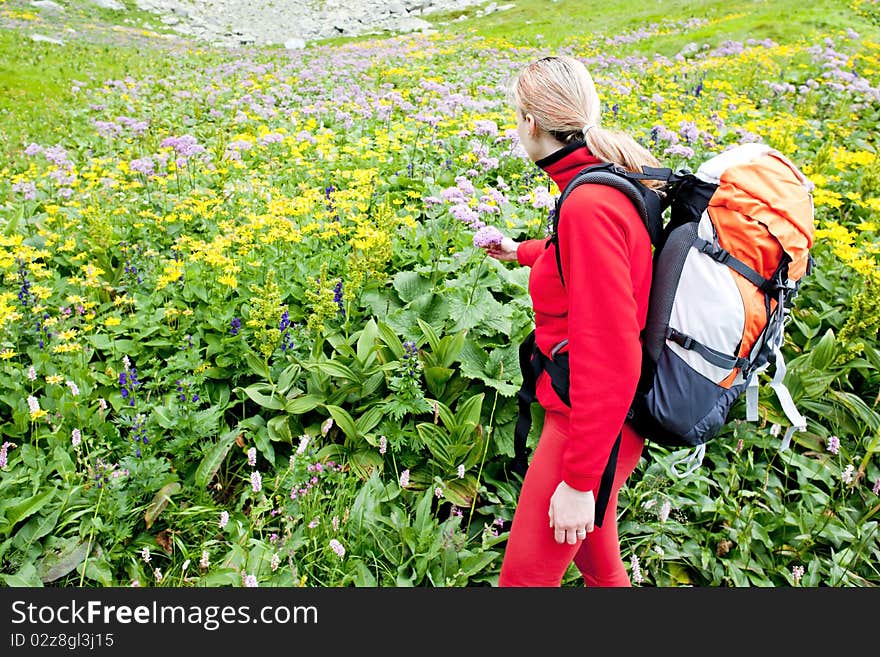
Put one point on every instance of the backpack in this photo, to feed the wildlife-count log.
(726, 267)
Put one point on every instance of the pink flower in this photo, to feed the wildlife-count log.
(256, 481)
(75, 437)
(796, 573)
(224, 518)
(249, 581)
(337, 547)
(252, 456)
(383, 444)
(636, 570)
(833, 444)
(404, 478)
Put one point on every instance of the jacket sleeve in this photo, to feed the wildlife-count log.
(603, 327)
(527, 252)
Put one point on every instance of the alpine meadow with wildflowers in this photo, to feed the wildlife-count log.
(248, 336)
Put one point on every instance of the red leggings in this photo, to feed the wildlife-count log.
(532, 556)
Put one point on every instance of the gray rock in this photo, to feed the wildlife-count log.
(109, 4)
(279, 21)
(47, 4)
(46, 39)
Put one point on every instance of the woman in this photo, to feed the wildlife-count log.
(606, 263)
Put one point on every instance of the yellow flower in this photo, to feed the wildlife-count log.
(112, 321)
(54, 378)
(6, 354)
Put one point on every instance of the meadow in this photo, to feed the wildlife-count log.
(246, 338)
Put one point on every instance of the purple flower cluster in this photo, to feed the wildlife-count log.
(144, 165)
(487, 236)
(128, 381)
(337, 297)
(184, 391)
(138, 433)
(234, 326)
(185, 146)
(284, 327)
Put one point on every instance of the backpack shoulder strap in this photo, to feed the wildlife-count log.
(648, 202)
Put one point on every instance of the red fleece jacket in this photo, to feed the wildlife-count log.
(601, 309)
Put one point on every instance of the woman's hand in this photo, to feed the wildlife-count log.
(505, 250)
(572, 513)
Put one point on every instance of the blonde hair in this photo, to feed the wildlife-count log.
(559, 92)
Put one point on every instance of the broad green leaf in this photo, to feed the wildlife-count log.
(160, 501)
(279, 430)
(25, 577)
(390, 339)
(410, 284)
(264, 395)
(211, 463)
(468, 412)
(302, 404)
(258, 365)
(430, 335)
(366, 342)
(334, 369)
(369, 419)
(35, 529)
(63, 560)
(28, 507)
(343, 420)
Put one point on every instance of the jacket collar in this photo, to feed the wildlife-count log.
(564, 164)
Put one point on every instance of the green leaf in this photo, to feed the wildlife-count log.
(28, 507)
(279, 430)
(436, 378)
(63, 560)
(366, 342)
(258, 366)
(410, 284)
(211, 463)
(264, 395)
(368, 420)
(343, 420)
(35, 529)
(62, 462)
(287, 377)
(335, 369)
(25, 577)
(430, 334)
(164, 418)
(160, 501)
(302, 404)
(468, 412)
(389, 337)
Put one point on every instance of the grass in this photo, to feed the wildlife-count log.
(554, 23)
(36, 78)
